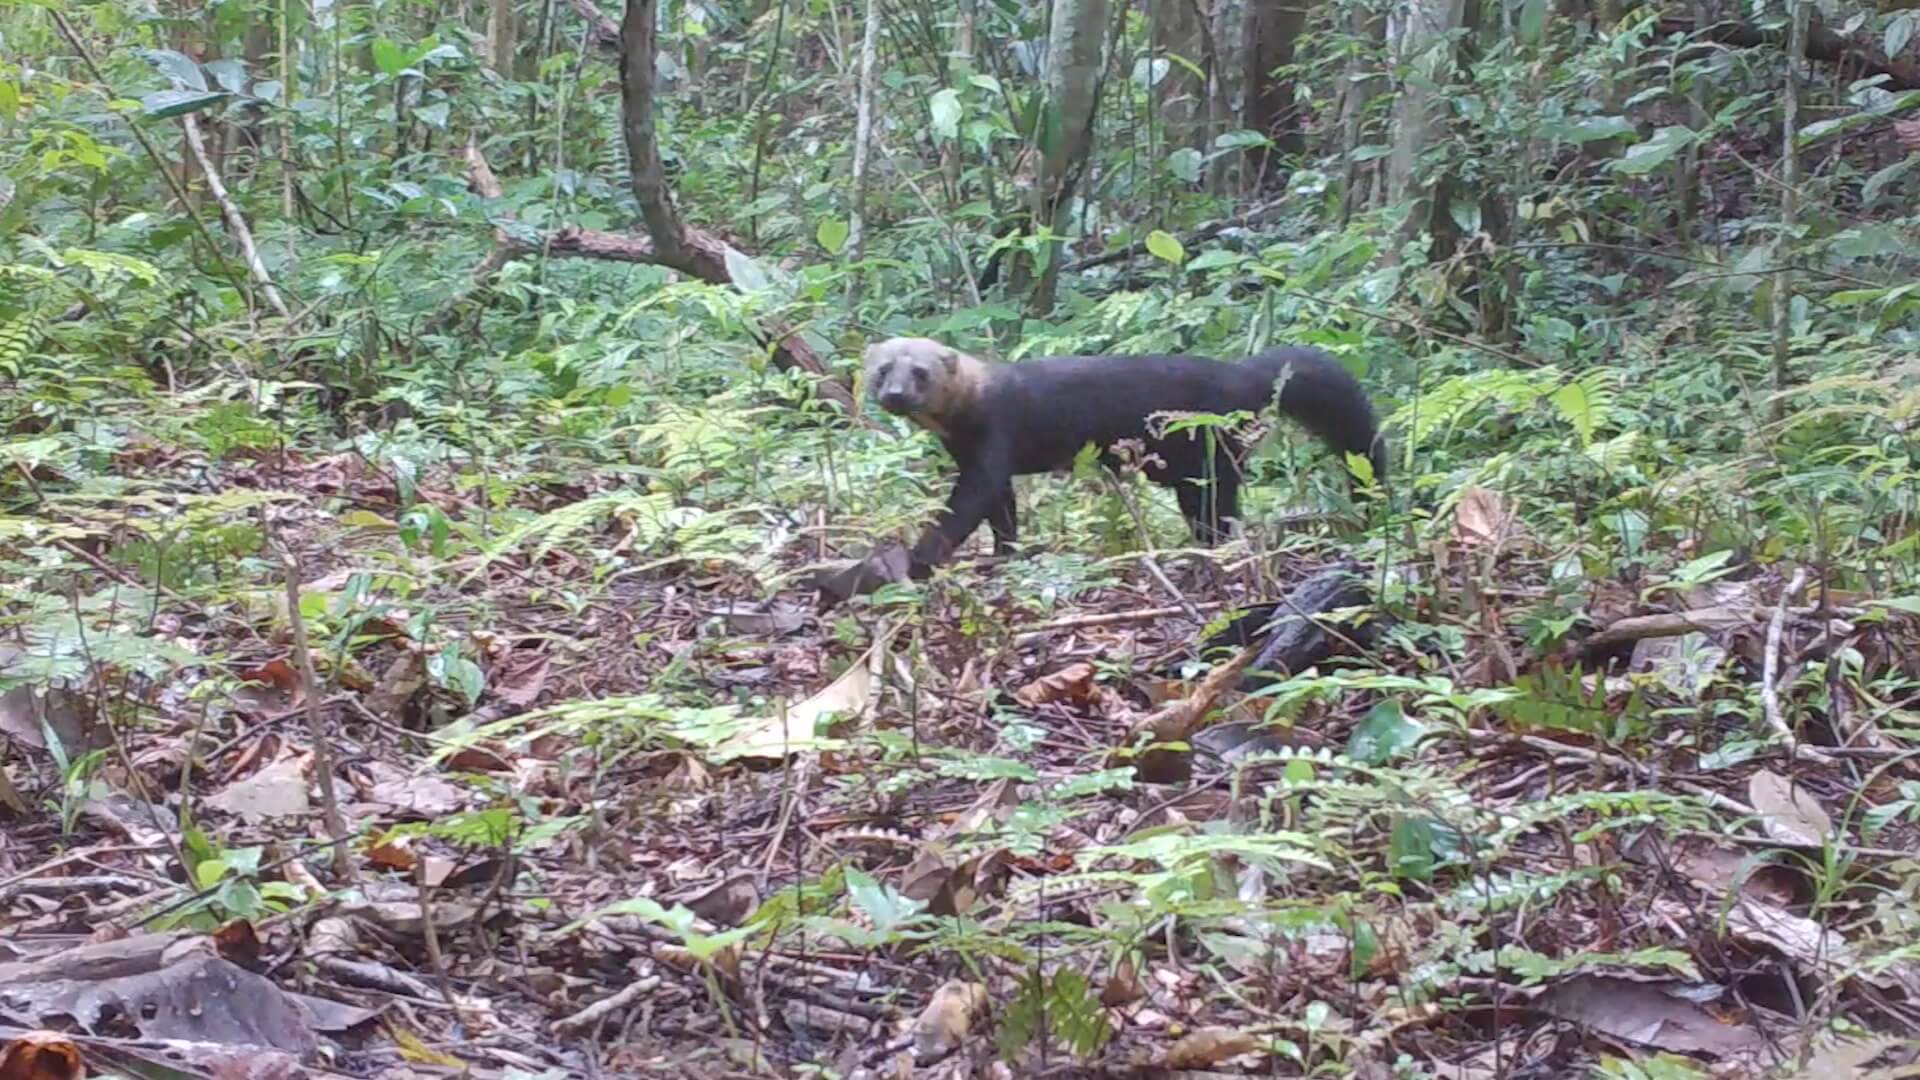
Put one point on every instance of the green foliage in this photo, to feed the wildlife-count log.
(1064, 1006)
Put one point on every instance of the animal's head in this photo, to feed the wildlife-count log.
(912, 376)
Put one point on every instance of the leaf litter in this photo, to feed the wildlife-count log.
(564, 855)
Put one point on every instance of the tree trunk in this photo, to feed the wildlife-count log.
(1066, 124)
(960, 63)
(1357, 96)
(502, 37)
(648, 177)
(1272, 29)
(1789, 209)
(694, 252)
(862, 137)
(1179, 30)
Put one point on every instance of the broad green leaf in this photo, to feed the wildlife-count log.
(177, 67)
(1385, 733)
(1165, 247)
(1214, 258)
(1899, 33)
(1241, 139)
(230, 73)
(1148, 71)
(1185, 164)
(388, 56)
(747, 276)
(164, 103)
(832, 234)
(1876, 184)
(1533, 20)
(945, 106)
(1577, 408)
(1588, 129)
(1643, 158)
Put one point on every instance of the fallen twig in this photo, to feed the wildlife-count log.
(236, 223)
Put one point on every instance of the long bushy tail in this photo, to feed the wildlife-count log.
(1322, 396)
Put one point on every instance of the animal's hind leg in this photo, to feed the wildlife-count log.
(1004, 520)
(1209, 504)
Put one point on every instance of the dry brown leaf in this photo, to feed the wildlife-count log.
(942, 1025)
(728, 902)
(1788, 813)
(1809, 945)
(1646, 1014)
(484, 756)
(277, 689)
(23, 710)
(404, 678)
(1072, 684)
(519, 677)
(423, 796)
(1481, 518)
(1908, 132)
(41, 1055)
(1209, 1046)
(393, 853)
(277, 791)
(846, 696)
(1122, 986)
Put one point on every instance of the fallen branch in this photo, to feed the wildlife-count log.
(703, 255)
(601, 29)
(1189, 240)
(1176, 722)
(1702, 620)
(1770, 674)
(236, 224)
(1823, 44)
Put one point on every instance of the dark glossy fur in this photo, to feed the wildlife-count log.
(1004, 420)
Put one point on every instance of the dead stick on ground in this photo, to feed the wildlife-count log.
(1110, 618)
(1770, 674)
(322, 748)
(236, 224)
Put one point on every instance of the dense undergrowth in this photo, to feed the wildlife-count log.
(549, 540)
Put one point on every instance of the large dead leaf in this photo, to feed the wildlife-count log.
(405, 677)
(1071, 685)
(277, 791)
(1646, 1014)
(1481, 518)
(519, 677)
(945, 1021)
(172, 989)
(41, 1055)
(1787, 812)
(1209, 1046)
(777, 735)
(23, 711)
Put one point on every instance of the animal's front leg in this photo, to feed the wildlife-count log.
(980, 490)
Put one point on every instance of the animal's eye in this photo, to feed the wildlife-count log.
(920, 375)
(881, 372)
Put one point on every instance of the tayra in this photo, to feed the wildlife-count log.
(1004, 420)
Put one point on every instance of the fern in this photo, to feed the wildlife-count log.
(1585, 402)
(1449, 404)
(556, 526)
(111, 265)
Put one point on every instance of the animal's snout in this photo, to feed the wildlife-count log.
(895, 400)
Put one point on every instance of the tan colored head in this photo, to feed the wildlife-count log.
(923, 380)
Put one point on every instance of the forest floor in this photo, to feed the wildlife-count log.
(1409, 876)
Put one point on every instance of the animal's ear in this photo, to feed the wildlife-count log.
(951, 358)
